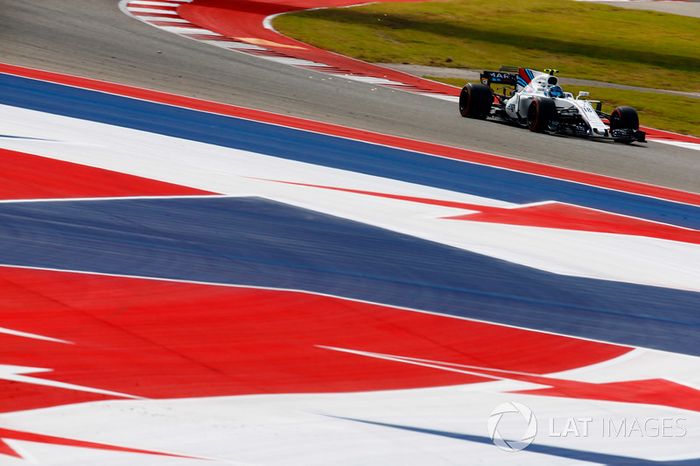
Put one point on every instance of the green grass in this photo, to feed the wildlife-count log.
(664, 111)
(582, 40)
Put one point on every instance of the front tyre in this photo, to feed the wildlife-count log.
(542, 110)
(624, 118)
(475, 101)
(624, 124)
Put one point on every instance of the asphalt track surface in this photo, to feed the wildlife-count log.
(93, 38)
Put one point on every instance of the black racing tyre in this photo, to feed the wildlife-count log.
(475, 101)
(624, 118)
(542, 110)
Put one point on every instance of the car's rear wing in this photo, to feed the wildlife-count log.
(499, 77)
(514, 79)
(502, 83)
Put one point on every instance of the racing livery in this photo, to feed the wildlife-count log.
(535, 100)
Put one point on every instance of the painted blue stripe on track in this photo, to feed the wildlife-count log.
(252, 241)
(332, 151)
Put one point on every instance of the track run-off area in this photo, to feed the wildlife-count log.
(192, 282)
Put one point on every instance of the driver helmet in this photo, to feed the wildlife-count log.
(556, 91)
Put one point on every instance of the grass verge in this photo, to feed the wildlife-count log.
(581, 39)
(664, 111)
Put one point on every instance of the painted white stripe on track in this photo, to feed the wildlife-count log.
(18, 374)
(367, 79)
(120, 198)
(34, 336)
(186, 30)
(449, 98)
(152, 10)
(233, 45)
(683, 144)
(163, 19)
(293, 61)
(152, 3)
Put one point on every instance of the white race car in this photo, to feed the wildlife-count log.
(534, 99)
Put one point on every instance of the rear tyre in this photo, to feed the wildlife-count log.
(542, 110)
(475, 101)
(624, 118)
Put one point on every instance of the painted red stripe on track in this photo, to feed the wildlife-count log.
(161, 339)
(654, 133)
(9, 434)
(550, 215)
(363, 135)
(571, 217)
(26, 176)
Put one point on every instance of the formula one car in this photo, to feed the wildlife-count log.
(535, 100)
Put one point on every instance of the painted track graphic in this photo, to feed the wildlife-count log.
(181, 267)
